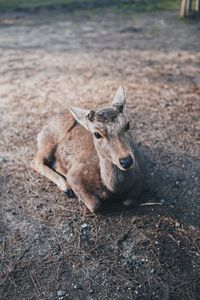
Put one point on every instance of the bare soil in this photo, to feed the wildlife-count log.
(50, 244)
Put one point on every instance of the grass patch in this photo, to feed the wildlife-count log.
(20, 4)
(137, 5)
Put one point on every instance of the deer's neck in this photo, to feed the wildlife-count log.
(113, 178)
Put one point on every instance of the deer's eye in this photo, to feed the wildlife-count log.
(97, 135)
(127, 126)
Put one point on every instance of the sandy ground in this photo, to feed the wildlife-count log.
(51, 60)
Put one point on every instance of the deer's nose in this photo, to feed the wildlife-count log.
(126, 162)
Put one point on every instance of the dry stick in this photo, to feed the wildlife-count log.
(12, 281)
(173, 239)
(184, 283)
(156, 258)
(95, 282)
(34, 283)
(150, 203)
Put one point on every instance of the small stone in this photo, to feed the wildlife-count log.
(177, 224)
(84, 225)
(162, 200)
(2, 159)
(152, 271)
(60, 293)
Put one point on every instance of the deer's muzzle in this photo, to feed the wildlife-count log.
(126, 162)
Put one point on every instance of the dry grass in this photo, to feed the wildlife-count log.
(142, 253)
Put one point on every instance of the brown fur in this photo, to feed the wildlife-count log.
(70, 155)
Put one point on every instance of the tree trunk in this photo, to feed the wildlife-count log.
(186, 6)
(183, 8)
(197, 6)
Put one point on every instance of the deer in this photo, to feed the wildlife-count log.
(91, 154)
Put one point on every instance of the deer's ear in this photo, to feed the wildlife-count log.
(119, 100)
(82, 115)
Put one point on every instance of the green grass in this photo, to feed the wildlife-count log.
(141, 5)
(16, 4)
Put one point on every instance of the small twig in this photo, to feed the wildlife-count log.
(173, 239)
(34, 283)
(150, 203)
(95, 282)
(182, 284)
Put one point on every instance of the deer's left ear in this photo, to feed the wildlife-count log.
(119, 100)
(82, 115)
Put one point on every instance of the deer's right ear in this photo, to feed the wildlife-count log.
(82, 115)
(119, 100)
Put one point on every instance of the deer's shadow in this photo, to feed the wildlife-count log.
(173, 181)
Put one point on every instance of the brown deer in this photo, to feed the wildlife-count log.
(91, 154)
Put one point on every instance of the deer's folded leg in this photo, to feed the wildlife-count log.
(92, 201)
(39, 165)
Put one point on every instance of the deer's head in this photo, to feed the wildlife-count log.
(109, 127)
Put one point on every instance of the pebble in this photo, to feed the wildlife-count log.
(152, 271)
(61, 293)
(2, 159)
(177, 224)
(162, 201)
(84, 225)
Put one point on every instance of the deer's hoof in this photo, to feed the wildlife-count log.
(69, 193)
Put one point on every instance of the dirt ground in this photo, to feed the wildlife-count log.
(51, 247)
